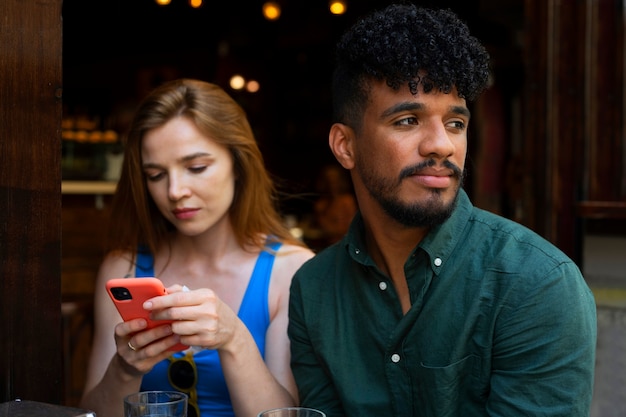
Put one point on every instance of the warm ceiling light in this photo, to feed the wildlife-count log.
(337, 7)
(237, 82)
(163, 2)
(271, 10)
(195, 3)
(252, 86)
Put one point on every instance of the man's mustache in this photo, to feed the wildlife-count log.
(417, 169)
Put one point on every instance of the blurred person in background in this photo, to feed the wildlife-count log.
(334, 208)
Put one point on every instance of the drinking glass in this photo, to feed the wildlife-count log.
(156, 404)
(292, 412)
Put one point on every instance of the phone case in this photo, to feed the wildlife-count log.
(129, 294)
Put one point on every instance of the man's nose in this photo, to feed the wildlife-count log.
(437, 142)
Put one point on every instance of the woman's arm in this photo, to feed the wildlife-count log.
(114, 370)
(202, 319)
(275, 373)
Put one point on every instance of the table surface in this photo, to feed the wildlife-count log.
(33, 408)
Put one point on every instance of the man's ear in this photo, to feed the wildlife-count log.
(341, 142)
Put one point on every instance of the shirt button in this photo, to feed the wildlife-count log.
(438, 262)
(382, 285)
(395, 358)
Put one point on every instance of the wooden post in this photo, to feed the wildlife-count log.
(30, 200)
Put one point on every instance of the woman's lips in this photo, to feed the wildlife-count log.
(184, 213)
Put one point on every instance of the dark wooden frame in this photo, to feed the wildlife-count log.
(30, 200)
(574, 112)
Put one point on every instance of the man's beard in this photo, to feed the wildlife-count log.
(432, 212)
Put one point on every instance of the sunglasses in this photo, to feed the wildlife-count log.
(183, 375)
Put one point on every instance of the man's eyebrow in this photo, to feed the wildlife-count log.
(461, 110)
(401, 107)
(412, 106)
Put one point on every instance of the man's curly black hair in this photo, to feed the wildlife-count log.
(406, 45)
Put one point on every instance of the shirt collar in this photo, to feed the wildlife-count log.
(438, 243)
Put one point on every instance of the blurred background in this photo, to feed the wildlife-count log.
(547, 142)
(115, 52)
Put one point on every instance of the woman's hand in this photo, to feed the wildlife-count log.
(140, 349)
(199, 317)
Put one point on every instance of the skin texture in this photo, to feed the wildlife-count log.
(191, 180)
(406, 162)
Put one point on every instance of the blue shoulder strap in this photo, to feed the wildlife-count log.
(144, 266)
(254, 309)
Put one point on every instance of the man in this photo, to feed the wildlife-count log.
(429, 306)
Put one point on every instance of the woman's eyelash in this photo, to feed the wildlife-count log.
(154, 177)
(196, 169)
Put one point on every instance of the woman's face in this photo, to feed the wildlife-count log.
(189, 176)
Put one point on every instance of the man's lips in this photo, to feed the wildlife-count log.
(434, 178)
(433, 181)
(184, 213)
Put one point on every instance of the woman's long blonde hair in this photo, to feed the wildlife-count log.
(136, 221)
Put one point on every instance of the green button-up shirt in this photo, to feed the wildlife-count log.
(501, 323)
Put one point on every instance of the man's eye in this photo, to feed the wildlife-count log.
(457, 124)
(407, 121)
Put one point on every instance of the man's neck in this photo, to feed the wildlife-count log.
(390, 244)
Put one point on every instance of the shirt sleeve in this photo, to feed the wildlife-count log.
(544, 348)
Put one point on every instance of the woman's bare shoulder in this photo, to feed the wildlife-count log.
(287, 261)
(290, 258)
(116, 264)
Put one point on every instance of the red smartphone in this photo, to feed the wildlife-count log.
(129, 294)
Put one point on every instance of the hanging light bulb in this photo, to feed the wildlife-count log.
(237, 82)
(163, 2)
(195, 3)
(271, 10)
(252, 86)
(337, 6)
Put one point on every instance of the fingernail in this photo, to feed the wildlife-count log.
(147, 305)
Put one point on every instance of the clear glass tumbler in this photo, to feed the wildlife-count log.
(156, 404)
(292, 412)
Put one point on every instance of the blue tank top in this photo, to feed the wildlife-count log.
(212, 392)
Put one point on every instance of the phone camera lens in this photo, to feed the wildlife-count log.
(121, 293)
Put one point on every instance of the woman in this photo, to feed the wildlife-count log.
(195, 207)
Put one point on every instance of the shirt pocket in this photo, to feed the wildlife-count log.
(450, 390)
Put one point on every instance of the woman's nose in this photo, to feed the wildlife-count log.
(177, 188)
